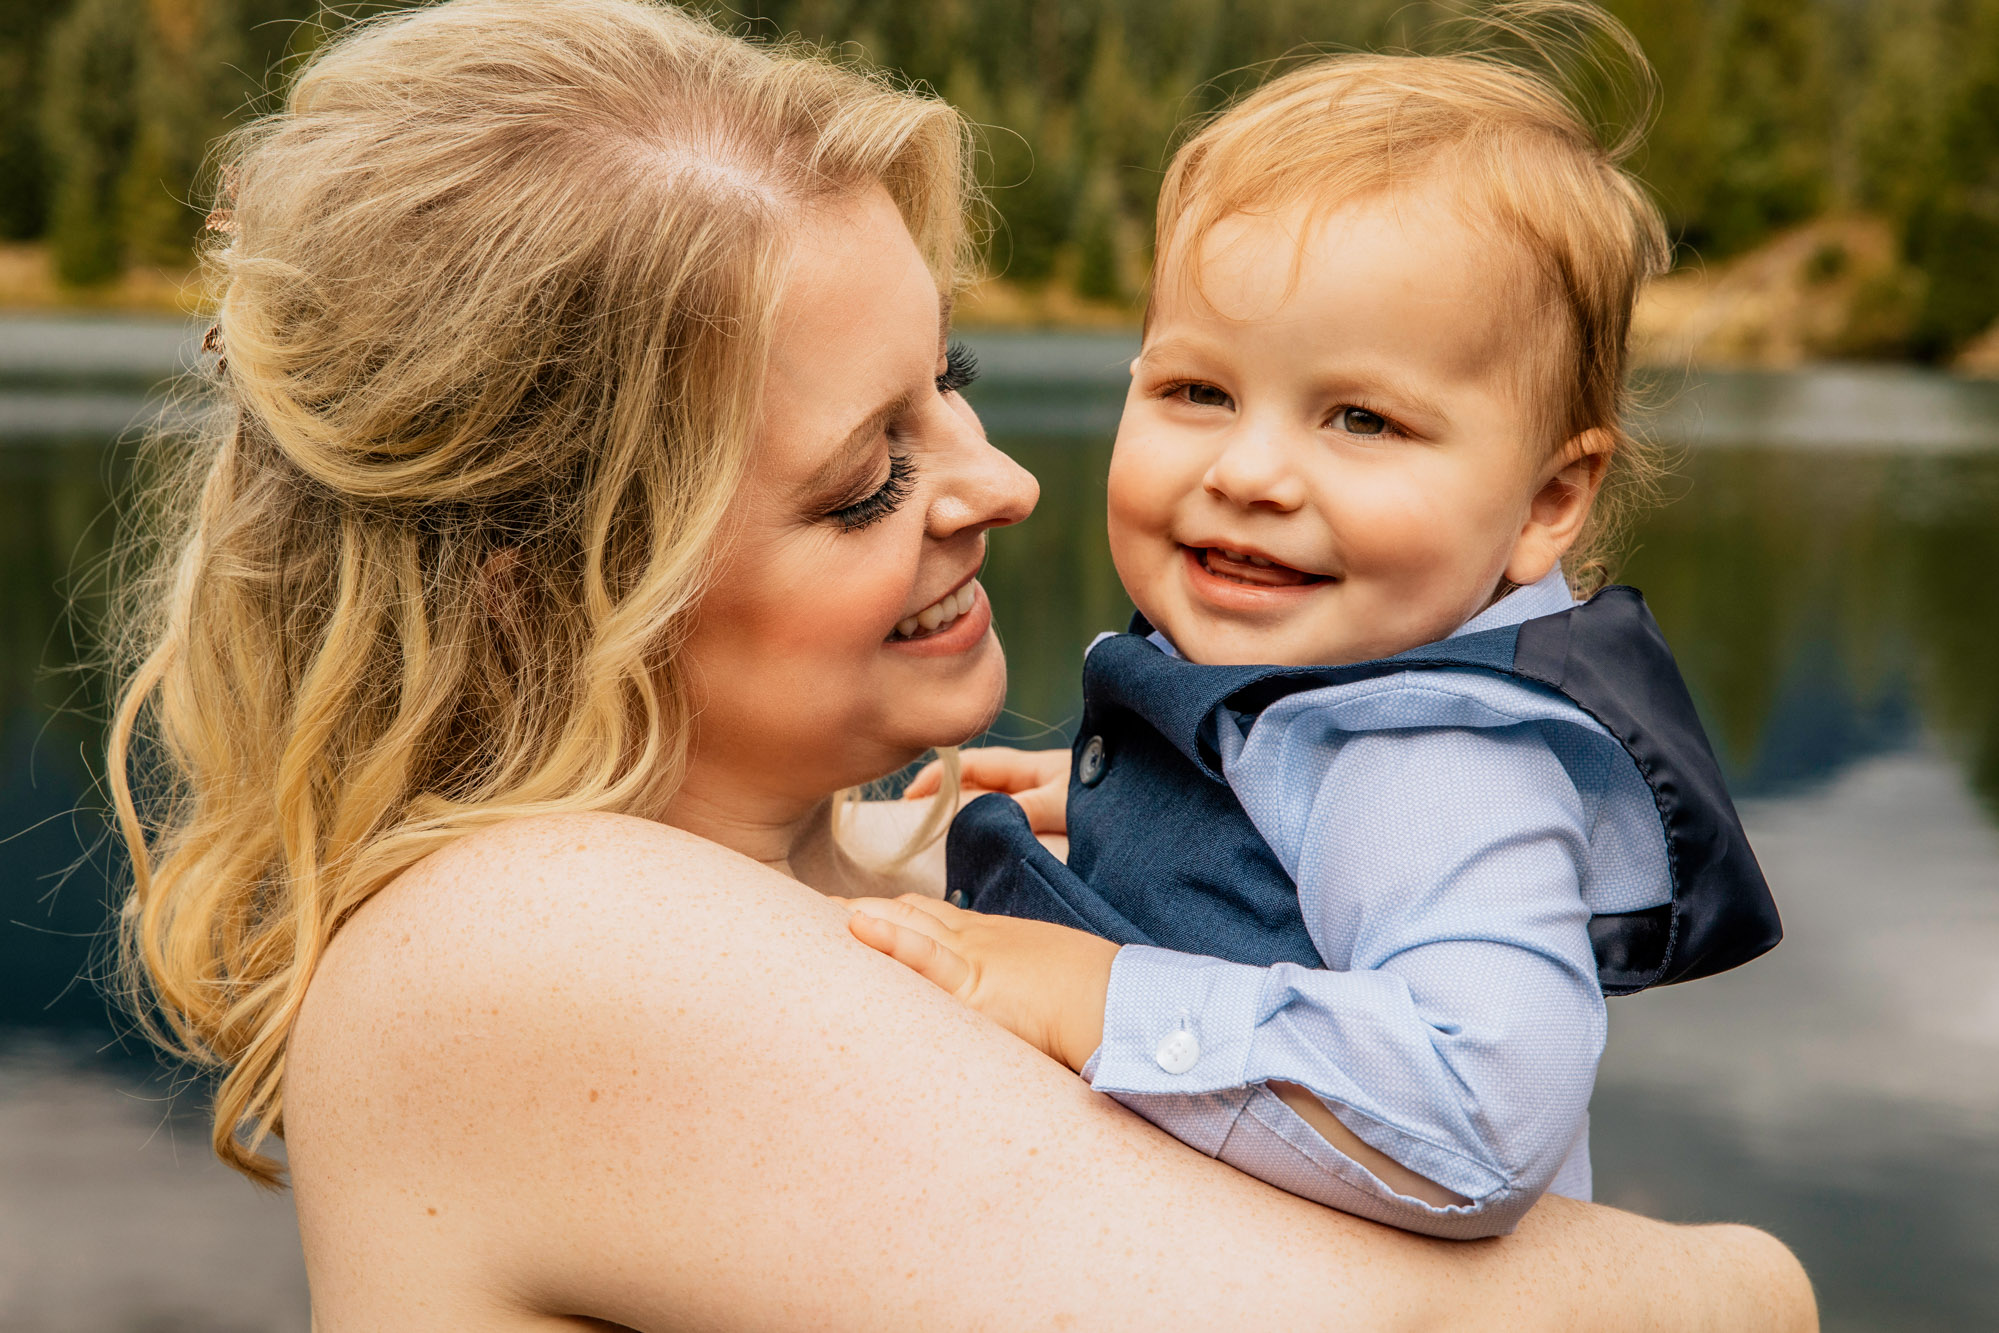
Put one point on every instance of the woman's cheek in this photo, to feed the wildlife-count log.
(862, 606)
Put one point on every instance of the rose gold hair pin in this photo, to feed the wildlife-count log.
(222, 221)
(222, 218)
(211, 341)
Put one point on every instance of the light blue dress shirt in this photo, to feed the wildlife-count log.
(1450, 833)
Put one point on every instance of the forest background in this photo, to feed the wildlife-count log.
(1829, 168)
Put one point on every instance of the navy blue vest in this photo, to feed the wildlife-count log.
(1161, 852)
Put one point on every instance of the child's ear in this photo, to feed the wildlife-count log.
(1561, 505)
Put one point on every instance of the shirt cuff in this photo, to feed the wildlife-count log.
(1176, 1023)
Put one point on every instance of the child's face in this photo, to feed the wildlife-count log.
(1350, 468)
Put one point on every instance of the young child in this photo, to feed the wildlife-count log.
(1348, 924)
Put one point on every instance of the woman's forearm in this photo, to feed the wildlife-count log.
(1582, 1265)
(728, 1113)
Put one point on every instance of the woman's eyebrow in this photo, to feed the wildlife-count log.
(857, 443)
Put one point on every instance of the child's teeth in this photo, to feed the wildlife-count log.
(906, 627)
(930, 617)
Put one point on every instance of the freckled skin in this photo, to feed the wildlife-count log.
(790, 1130)
(742, 1171)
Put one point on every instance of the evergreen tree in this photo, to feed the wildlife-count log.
(24, 190)
(1678, 161)
(1772, 118)
(1953, 230)
(89, 122)
(187, 87)
(1897, 129)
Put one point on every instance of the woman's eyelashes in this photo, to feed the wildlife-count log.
(883, 500)
(961, 367)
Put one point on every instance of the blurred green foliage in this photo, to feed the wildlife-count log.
(1774, 112)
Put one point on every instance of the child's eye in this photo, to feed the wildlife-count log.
(1203, 395)
(1360, 421)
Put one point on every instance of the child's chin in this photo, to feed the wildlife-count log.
(1232, 643)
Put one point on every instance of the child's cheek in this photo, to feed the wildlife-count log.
(1148, 480)
(1425, 542)
(1137, 529)
(1386, 520)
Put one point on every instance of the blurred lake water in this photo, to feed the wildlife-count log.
(1825, 568)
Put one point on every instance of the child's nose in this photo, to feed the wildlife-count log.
(1254, 470)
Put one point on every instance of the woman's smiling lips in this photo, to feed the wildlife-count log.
(1237, 579)
(954, 623)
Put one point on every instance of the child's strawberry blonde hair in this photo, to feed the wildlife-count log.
(1524, 163)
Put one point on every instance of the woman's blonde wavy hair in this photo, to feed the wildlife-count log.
(495, 290)
(1524, 162)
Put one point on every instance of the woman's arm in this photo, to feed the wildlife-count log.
(596, 1067)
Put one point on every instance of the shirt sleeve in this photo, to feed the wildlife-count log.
(1458, 1027)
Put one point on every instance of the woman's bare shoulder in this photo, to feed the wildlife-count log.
(540, 922)
(488, 1036)
(639, 864)
(524, 898)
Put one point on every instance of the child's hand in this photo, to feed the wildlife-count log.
(1044, 983)
(1038, 779)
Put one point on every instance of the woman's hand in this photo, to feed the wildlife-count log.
(1038, 779)
(1044, 983)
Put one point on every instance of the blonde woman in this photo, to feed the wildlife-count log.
(591, 443)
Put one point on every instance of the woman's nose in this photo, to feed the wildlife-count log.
(984, 488)
(1253, 471)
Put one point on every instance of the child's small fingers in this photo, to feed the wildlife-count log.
(1047, 807)
(945, 915)
(929, 780)
(1001, 768)
(914, 950)
(914, 910)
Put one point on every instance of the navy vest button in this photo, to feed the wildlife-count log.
(957, 898)
(1090, 768)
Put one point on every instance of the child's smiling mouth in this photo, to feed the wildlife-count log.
(1250, 569)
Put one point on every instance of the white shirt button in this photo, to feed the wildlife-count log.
(1180, 1052)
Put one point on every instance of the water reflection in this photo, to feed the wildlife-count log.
(1836, 616)
(1843, 1090)
(55, 529)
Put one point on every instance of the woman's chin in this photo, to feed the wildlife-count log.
(925, 722)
